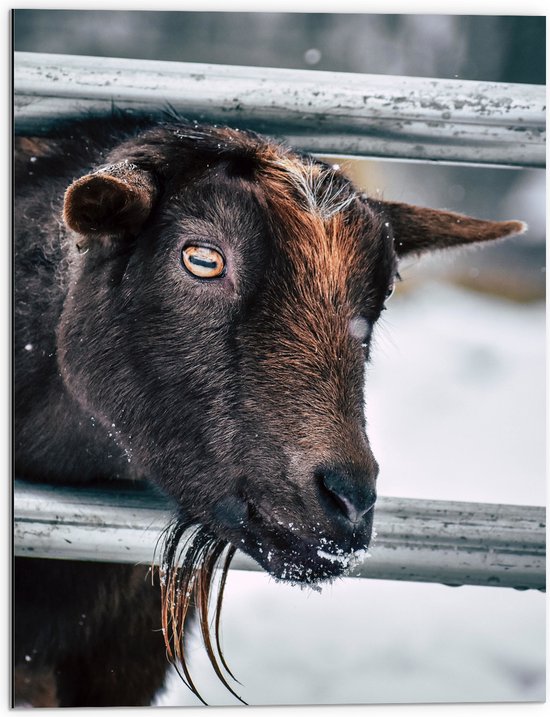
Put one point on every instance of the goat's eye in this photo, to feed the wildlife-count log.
(203, 262)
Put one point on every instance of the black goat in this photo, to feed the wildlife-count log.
(195, 308)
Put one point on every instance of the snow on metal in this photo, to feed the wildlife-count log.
(324, 112)
(420, 540)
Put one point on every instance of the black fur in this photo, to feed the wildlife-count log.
(241, 397)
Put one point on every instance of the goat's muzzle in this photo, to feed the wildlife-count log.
(318, 540)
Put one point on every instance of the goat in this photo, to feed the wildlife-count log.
(194, 306)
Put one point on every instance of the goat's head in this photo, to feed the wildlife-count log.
(222, 319)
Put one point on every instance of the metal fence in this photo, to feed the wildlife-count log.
(424, 540)
(329, 113)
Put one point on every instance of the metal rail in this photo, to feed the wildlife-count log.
(420, 540)
(324, 112)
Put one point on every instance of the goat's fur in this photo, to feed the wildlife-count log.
(240, 397)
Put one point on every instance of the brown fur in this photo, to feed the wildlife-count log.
(114, 201)
(35, 688)
(418, 229)
(240, 397)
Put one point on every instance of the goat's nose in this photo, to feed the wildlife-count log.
(346, 492)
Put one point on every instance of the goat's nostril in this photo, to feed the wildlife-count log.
(349, 493)
(351, 511)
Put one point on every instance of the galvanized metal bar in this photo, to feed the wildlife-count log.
(420, 540)
(324, 112)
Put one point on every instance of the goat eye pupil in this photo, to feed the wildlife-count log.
(203, 262)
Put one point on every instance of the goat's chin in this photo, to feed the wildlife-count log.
(304, 561)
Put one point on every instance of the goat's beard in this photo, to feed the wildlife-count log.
(189, 579)
(193, 573)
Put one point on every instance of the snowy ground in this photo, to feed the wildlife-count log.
(456, 410)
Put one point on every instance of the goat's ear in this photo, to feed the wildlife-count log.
(112, 202)
(418, 230)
